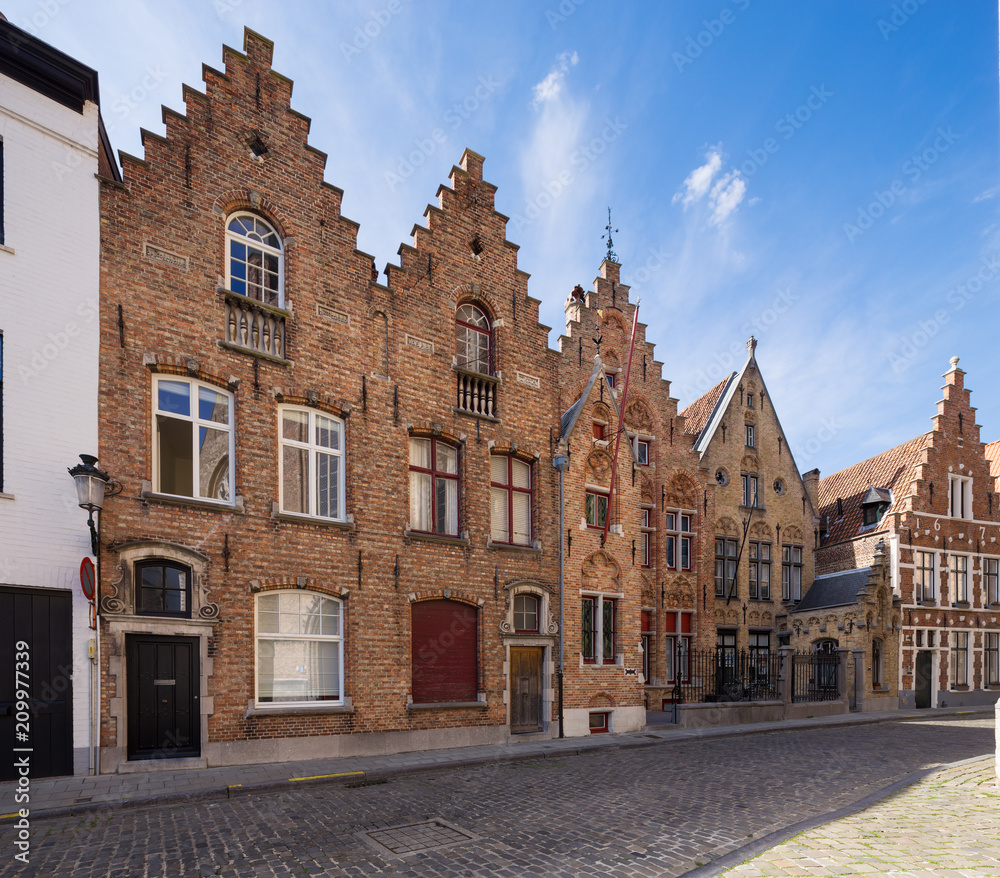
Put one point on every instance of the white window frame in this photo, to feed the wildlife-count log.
(323, 638)
(254, 241)
(640, 440)
(313, 450)
(599, 598)
(921, 575)
(959, 496)
(958, 578)
(196, 422)
(468, 327)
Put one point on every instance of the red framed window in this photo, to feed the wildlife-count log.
(434, 487)
(598, 430)
(596, 510)
(510, 500)
(598, 722)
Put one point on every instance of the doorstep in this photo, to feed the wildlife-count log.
(141, 766)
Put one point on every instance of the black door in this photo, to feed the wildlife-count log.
(163, 707)
(922, 683)
(36, 658)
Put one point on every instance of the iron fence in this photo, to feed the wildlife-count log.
(815, 677)
(714, 675)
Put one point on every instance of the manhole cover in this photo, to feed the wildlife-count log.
(413, 838)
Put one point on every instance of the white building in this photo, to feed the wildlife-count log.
(52, 147)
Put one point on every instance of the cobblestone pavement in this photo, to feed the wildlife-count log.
(661, 810)
(947, 824)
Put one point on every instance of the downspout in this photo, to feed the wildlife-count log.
(561, 463)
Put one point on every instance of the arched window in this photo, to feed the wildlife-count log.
(162, 588)
(300, 648)
(254, 265)
(473, 340)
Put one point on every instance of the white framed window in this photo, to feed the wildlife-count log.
(991, 581)
(959, 659)
(300, 648)
(679, 537)
(760, 571)
(311, 465)
(510, 500)
(640, 445)
(599, 629)
(959, 577)
(923, 576)
(791, 573)
(434, 487)
(960, 496)
(193, 444)
(473, 340)
(527, 611)
(646, 537)
(254, 261)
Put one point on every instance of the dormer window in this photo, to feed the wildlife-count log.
(254, 262)
(874, 505)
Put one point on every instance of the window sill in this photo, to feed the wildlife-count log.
(347, 524)
(960, 688)
(534, 549)
(4, 496)
(253, 352)
(271, 309)
(927, 603)
(448, 705)
(963, 604)
(462, 540)
(467, 414)
(347, 707)
(175, 500)
(5, 249)
(758, 508)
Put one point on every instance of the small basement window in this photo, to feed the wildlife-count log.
(599, 722)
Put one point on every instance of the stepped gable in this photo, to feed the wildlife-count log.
(893, 469)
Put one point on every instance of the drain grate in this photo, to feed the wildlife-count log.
(413, 838)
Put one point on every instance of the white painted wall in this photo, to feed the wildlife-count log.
(49, 277)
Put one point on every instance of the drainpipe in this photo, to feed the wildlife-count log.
(561, 463)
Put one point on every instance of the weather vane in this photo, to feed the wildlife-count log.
(611, 253)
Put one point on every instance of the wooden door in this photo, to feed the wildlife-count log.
(922, 681)
(526, 689)
(36, 659)
(164, 719)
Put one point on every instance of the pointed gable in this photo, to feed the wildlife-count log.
(696, 415)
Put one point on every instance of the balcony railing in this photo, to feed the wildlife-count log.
(476, 394)
(254, 326)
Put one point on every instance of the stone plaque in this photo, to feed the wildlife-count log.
(528, 380)
(174, 260)
(425, 347)
(338, 317)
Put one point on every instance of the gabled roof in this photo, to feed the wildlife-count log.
(697, 414)
(835, 589)
(993, 458)
(890, 471)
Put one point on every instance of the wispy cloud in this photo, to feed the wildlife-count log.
(725, 193)
(551, 87)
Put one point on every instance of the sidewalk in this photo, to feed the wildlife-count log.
(52, 797)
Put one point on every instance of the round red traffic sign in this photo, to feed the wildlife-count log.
(87, 578)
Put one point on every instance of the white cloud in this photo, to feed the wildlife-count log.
(697, 183)
(551, 87)
(726, 196)
(725, 193)
(986, 194)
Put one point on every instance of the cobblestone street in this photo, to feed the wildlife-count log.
(660, 810)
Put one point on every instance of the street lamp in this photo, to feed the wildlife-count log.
(92, 485)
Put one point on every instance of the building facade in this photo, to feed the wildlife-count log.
(930, 505)
(52, 146)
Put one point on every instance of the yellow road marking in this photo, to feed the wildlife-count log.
(5, 816)
(319, 776)
(234, 785)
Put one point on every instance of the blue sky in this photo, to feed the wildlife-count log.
(824, 175)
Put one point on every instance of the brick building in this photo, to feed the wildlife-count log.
(761, 535)
(931, 505)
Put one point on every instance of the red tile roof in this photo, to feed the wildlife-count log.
(697, 414)
(891, 469)
(993, 458)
